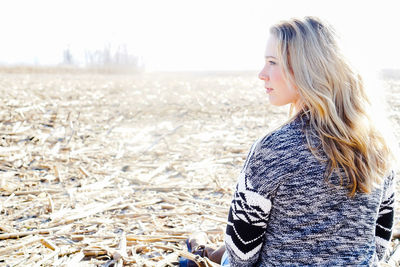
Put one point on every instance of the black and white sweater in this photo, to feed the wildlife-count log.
(284, 213)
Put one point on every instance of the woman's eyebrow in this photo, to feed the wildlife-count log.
(269, 57)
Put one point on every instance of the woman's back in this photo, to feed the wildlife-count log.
(312, 221)
(285, 213)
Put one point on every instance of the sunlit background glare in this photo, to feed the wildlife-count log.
(179, 35)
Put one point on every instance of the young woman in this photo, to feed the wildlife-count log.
(318, 191)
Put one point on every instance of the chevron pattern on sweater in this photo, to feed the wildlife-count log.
(247, 220)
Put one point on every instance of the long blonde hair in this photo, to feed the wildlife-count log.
(335, 101)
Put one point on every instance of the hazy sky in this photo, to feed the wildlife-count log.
(187, 34)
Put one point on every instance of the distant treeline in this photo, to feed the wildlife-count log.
(108, 58)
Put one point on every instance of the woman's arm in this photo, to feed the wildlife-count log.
(384, 223)
(247, 222)
(266, 166)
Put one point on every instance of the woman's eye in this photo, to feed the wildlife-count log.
(271, 62)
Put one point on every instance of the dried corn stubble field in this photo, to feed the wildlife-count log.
(118, 170)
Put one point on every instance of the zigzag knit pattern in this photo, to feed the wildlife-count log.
(385, 221)
(285, 213)
(247, 220)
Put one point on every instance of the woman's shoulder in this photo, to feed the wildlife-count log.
(276, 156)
(287, 137)
(283, 147)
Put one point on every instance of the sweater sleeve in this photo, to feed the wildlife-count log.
(384, 223)
(251, 205)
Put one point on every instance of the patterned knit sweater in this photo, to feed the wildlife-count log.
(285, 213)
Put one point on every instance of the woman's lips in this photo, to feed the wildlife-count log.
(269, 90)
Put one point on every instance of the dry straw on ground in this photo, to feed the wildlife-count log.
(117, 170)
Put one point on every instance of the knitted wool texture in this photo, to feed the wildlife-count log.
(285, 213)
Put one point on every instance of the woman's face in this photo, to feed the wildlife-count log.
(279, 90)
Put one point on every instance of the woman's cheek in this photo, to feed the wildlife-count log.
(276, 76)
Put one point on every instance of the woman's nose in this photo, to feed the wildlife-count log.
(262, 75)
